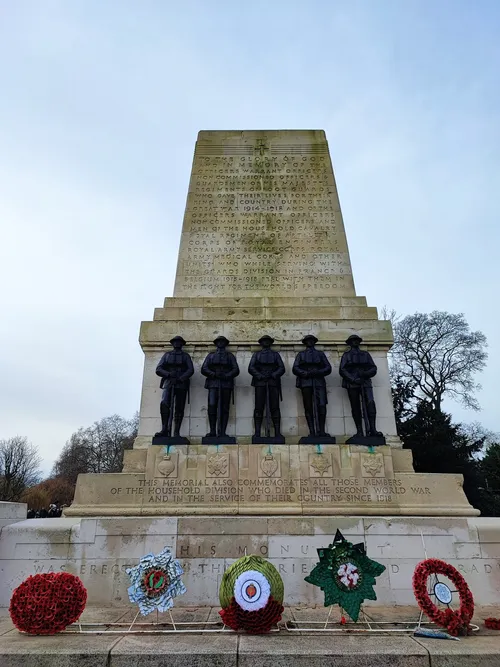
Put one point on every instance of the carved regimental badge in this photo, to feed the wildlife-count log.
(269, 465)
(166, 465)
(320, 463)
(218, 465)
(373, 465)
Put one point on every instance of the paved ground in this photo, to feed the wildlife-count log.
(230, 650)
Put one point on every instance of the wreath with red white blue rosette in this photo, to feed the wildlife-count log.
(251, 595)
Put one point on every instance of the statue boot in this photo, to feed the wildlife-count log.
(212, 420)
(258, 424)
(277, 427)
(165, 416)
(310, 424)
(373, 429)
(322, 422)
(358, 423)
(223, 425)
(177, 427)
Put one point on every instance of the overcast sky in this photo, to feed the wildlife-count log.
(100, 105)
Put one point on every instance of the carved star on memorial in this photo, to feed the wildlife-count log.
(320, 464)
(373, 467)
(346, 575)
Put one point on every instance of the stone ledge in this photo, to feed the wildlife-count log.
(376, 334)
(293, 312)
(11, 513)
(257, 301)
(240, 650)
(251, 480)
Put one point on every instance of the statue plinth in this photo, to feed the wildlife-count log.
(320, 479)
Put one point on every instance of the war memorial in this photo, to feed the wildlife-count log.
(266, 419)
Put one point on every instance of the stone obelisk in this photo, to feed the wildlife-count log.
(264, 251)
(263, 219)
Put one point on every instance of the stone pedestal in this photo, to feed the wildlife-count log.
(100, 549)
(271, 479)
(12, 512)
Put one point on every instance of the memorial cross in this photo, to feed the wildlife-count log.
(261, 147)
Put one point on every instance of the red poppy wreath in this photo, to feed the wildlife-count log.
(455, 621)
(45, 604)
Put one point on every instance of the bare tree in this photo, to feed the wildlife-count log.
(390, 314)
(436, 354)
(54, 490)
(19, 467)
(98, 448)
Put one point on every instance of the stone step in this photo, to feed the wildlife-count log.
(242, 302)
(286, 331)
(302, 312)
(283, 649)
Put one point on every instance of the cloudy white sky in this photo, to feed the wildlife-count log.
(100, 105)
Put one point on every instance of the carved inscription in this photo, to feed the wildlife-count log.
(294, 565)
(263, 220)
(314, 490)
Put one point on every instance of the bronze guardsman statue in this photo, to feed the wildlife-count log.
(266, 368)
(357, 369)
(175, 368)
(220, 368)
(311, 367)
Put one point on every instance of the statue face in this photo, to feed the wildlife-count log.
(266, 343)
(355, 343)
(221, 344)
(309, 342)
(177, 345)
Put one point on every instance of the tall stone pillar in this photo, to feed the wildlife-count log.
(264, 251)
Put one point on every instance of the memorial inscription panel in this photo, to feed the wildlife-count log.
(288, 479)
(263, 212)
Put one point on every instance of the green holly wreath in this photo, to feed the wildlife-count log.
(346, 575)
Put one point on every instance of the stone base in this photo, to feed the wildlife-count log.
(100, 549)
(272, 440)
(317, 440)
(271, 479)
(11, 513)
(218, 440)
(231, 649)
(368, 440)
(166, 441)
